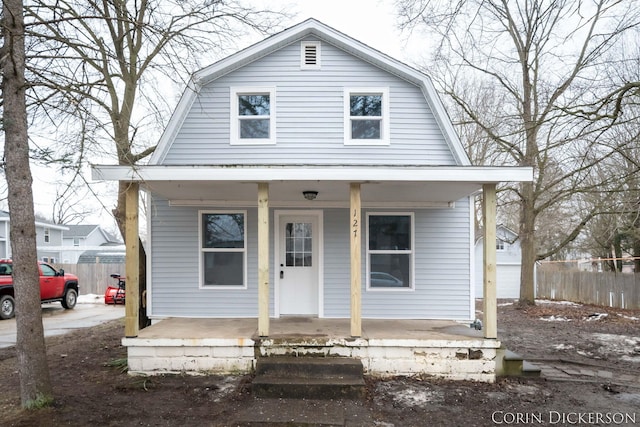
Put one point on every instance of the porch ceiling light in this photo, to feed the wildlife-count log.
(310, 195)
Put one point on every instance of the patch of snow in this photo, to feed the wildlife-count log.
(628, 317)
(546, 301)
(563, 347)
(90, 299)
(555, 319)
(596, 316)
(412, 396)
(584, 353)
(504, 304)
(626, 347)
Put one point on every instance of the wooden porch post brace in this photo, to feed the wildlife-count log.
(489, 268)
(356, 260)
(132, 302)
(263, 259)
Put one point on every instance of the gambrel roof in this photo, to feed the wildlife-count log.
(310, 27)
(189, 183)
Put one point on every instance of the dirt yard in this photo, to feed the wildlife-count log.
(590, 357)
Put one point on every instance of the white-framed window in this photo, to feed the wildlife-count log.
(366, 116)
(76, 241)
(223, 249)
(47, 234)
(500, 246)
(310, 55)
(253, 115)
(390, 251)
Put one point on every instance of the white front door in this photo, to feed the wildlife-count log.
(297, 274)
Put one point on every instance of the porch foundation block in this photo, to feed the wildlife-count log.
(191, 356)
(472, 359)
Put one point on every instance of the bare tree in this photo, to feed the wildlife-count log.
(111, 66)
(35, 383)
(543, 57)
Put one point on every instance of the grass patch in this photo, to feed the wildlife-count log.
(41, 401)
(120, 364)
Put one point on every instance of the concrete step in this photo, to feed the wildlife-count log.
(510, 364)
(530, 370)
(308, 366)
(308, 378)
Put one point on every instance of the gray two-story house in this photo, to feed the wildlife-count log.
(310, 179)
(48, 239)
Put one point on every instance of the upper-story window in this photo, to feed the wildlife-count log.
(76, 241)
(367, 116)
(500, 246)
(253, 118)
(47, 235)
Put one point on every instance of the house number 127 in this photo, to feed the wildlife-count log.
(355, 223)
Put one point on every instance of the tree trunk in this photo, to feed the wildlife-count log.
(527, 244)
(35, 382)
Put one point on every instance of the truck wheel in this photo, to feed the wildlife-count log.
(7, 307)
(70, 299)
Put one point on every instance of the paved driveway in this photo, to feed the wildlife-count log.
(58, 321)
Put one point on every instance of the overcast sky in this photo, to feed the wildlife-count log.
(372, 22)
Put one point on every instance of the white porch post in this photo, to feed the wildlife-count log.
(263, 259)
(132, 272)
(356, 259)
(489, 268)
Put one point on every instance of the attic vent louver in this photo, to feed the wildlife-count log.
(310, 56)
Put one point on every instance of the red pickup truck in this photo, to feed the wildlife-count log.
(55, 285)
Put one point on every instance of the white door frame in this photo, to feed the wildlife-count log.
(318, 214)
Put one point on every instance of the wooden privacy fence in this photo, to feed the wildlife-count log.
(94, 278)
(607, 289)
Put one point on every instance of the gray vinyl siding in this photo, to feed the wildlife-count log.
(442, 275)
(309, 116)
(175, 268)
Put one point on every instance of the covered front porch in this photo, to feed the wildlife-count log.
(438, 348)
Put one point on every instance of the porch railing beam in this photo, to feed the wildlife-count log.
(263, 259)
(490, 307)
(356, 259)
(132, 263)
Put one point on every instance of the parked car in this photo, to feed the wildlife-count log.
(382, 279)
(55, 285)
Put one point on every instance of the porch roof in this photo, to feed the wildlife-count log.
(199, 184)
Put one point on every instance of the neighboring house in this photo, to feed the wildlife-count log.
(311, 176)
(508, 263)
(67, 244)
(48, 239)
(91, 244)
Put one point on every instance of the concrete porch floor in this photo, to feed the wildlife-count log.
(309, 327)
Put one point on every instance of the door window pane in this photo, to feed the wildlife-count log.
(298, 244)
